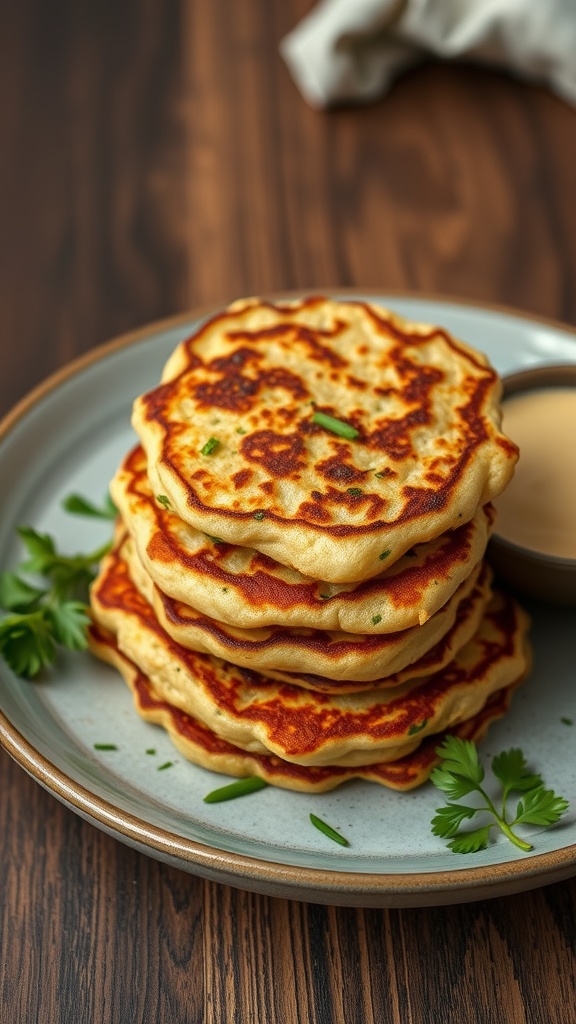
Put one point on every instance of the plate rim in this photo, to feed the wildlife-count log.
(322, 884)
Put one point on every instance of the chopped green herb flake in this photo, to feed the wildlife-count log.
(385, 554)
(379, 475)
(376, 619)
(211, 445)
(167, 764)
(325, 597)
(240, 430)
(567, 721)
(328, 830)
(415, 728)
(338, 427)
(241, 788)
(151, 750)
(163, 500)
(105, 746)
(215, 540)
(259, 516)
(355, 491)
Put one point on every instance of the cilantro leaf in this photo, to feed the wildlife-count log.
(77, 505)
(540, 806)
(55, 614)
(471, 842)
(16, 595)
(511, 770)
(460, 772)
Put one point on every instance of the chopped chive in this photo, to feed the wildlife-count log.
(385, 554)
(328, 830)
(417, 727)
(259, 516)
(215, 540)
(335, 426)
(240, 430)
(151, 750)
(379, 475)
(354, 491)
(105, 746)
(211, 445)
(163, 500)
(167, 764)
(376, 619)
(325, 597)
(240, 788)
(567, 721)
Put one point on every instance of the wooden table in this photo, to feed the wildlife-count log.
(157, 157)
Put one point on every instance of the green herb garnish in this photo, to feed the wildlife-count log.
(105, 746)
(259, 516)
(417, 727)
(162, 767)
(461, 772)
(215, 540)
(328, 830)
(354, 491)
(163, 500)
(376, 619)
(211, 445)
(80, 506)
(567, 721)
(230, 792)
(385, 554)
(42, 618)
(335, 426)
(151, 750)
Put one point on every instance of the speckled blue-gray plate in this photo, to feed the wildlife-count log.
(69, 435)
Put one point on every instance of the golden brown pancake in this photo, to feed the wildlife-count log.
(335, 654)
(243, 587)
(263, 716)
(233, 443)
(201, 746)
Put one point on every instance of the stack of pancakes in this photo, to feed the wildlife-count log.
(298, 588)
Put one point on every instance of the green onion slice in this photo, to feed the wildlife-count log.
(240, 788)
(211, 445)
(335, 426)
(328, 830)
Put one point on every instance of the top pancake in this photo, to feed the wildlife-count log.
(428, 449)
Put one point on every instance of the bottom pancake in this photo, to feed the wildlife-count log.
(202, 747)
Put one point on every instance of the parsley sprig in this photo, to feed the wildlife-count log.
(41, 617)
(461, 773)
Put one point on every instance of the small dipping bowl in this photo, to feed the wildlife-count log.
(533, 571)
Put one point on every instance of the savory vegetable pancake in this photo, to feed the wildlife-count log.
(331, 436)
(200, 745)
(242, 587)
(338, 655)
(263, 716)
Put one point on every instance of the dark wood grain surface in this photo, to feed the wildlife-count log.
(156, 157)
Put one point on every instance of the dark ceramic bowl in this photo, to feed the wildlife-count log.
(545, 577)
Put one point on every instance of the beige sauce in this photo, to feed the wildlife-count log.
(538, 508)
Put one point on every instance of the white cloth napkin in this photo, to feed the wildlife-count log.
(352, 50)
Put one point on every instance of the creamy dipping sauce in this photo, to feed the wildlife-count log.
(538, 508)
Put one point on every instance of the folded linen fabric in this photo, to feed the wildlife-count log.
(353, 50)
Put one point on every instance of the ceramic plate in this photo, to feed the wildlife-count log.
(69, 435)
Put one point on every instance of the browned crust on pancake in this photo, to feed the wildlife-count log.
(347, 502)
(202, 747)
(314, 729)
(266, 593)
